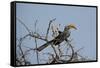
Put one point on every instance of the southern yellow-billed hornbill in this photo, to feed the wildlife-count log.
(60, 38)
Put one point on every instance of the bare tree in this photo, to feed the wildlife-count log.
(58, 56)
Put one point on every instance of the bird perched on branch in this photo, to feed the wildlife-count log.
(60, 38)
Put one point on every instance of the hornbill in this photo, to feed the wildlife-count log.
(60, 38)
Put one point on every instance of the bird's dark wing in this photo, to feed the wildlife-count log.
(59, 32)
(44, 45)
(58, 39)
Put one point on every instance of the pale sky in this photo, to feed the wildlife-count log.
(83, 17)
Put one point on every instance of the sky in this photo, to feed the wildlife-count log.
(83, 17)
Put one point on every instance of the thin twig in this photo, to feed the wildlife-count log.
(38, 37)
(24, 37)
(79, 49)
(23, 56)
(20, 47)
(54, 50)
(23, 24)
(72, 51)
(60, 52)
(49, 27)
(36, 43)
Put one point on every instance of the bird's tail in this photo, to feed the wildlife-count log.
(43, 46)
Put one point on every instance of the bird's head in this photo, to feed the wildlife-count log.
(70, 26)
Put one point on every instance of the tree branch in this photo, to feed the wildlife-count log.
(36, 43)
(49, 27)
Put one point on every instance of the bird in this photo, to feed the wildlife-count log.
(59, 39)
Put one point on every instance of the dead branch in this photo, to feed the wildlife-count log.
(60, 52)
(36, 43)
(38, 37)
(23, 24)
(23, 56)
(55, 57)
(72, 51)
(49, 27)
